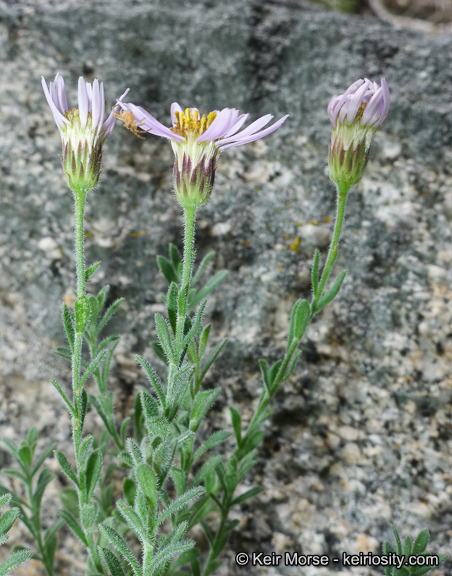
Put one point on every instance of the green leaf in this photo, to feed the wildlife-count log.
(274, 371)
(109, 313)
(5, 499)
(175, 256)
(92, 367)
(214, 440)
(90, 271)
(89, 514)
(206, 468)
(202, 267)
(64, 352)
(167, 269)
(44, 478)
(82, 314)
(133, 521)
(130, 490)
(186, 557)
(218, 348)
(69, 499)
(83, 403)
(93, 469)
(148, 483)
(66, 467)
(73, 525)
(315, 272)
(196, 324)
(421, 542)
(42, 458)
(291, 366)
(157, 347)
(113, 564)
(102, 297)
(397, 539)
(202, 404)
(247, 494)
(265, 375)
(164, 337)
(68, 323)
(25, 456)
(332, 293)
(253, 441)
(407, 547)
(237, 422)
(153, 379)
(14, 561)
(299, 319)
(123, 430)
(179, 478)
(64, 397)
(165, 554)
(32, 438)
(8, 519)
(207, 288)
(121, 546)
(171, 303)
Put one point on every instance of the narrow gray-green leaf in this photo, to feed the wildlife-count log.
(122, 547)
(14, 561)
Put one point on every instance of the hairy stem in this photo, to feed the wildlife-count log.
(189, 257)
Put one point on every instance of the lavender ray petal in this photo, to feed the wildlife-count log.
(219, 126)
(253, 137)
(102, 107)
(61, 93)
(95, 118)
(375, 105)
(236, 127)
(356, 102)
(82, 102)
(175, 107)
(60, 120)
(386, 95)
(255, 126)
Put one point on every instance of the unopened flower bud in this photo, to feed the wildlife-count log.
(355, 116)
(83, 130)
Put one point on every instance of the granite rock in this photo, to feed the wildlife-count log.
(361, 435)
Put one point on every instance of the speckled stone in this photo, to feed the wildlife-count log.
(361, 434)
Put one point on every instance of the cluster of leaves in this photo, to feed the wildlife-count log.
(6, 522)
(410, 548)
(29, 511)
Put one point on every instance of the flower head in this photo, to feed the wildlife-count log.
(355, 116)
(197, 141)
(83, 130)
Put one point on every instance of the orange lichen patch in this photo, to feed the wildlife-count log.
(246, 243)
(286, 236)
(327, 219)
(299, 223)
(89, 234)
(191, 122)
(141, 233)
(295, 244)
(280, 268)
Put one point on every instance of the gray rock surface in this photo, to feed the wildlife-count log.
(361, 434)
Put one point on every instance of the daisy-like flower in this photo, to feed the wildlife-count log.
(197, 142)
(83, 130)
(355, 116)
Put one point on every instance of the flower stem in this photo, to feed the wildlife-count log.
(80, 197)
(189, 257)
(342, 191)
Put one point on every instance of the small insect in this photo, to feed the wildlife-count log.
(129, 122)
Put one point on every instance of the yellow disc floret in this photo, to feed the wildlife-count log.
(190, 123)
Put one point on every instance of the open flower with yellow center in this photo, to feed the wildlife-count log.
(197, 141)
(83, 130)
(355, 116)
